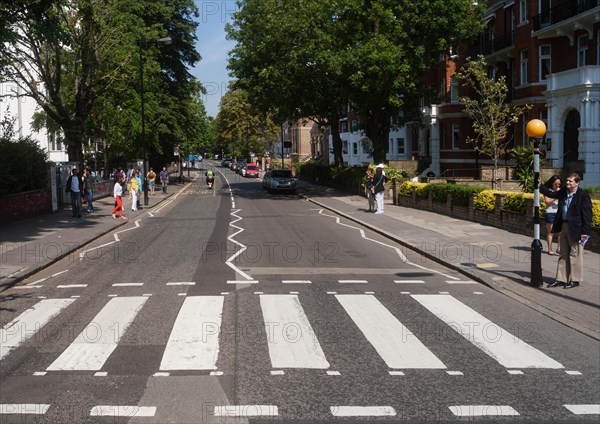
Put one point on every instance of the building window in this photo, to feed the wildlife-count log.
(545, 61)
(355, 148)
(524, 66)
(544, 7)
(523, 11)
(345, 147)
(344, 127)
(455, 136)
(354, 125)
(582, 50)
(401, 146)
(453, 90)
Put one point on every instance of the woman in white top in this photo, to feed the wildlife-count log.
(118, 195)
(551, 209)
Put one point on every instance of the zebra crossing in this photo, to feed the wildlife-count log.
(292, 343)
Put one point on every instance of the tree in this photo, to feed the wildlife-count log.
(311, 57)
(489, 110)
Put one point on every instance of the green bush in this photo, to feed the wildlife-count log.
(407, 187)
(462, 193)
(593, 191)
(516, 202)
(485, 200)
(23, 166)
(595, 213)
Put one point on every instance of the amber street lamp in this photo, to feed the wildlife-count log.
(536, 129)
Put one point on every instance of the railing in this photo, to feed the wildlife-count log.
(492, 46)
(563, 12)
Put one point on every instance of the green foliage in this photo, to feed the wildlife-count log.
(523, 157)
(485, 200)
(596, 213)
(593, 191)
(516, 202)
(462, 193)
(407, 187)
(23, 165)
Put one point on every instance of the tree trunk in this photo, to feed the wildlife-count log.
(378, 132)
(338, 159)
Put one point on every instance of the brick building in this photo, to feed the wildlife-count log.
(549, 52)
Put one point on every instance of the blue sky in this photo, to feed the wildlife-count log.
(213, 47)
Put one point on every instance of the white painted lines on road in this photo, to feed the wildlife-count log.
(362, 411)
(454, 373)
(29, 322)
(242, 281)
(59, 273)
(573, 372)
(291, 340)
(352, 281)
(483, 410)
(246, 411)
(590, 409)
(194, 340)
(71, 286)
(128, 284)
(507, 349)
(181, 283)
(462, 282)
(296, 282)
(23, 408)
(123, 411)
(395, 343)
(92, 347)
(409, 281)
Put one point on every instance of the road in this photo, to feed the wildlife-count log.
(235, 305)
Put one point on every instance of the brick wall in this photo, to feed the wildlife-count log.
(22, 205)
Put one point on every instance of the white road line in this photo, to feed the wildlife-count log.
(58, 273)
(29, 323)
(23, 408)
(296, 282)
(462, 282)
(353, 281)
(71, 286)
(395, 343)
(27, 287)
(584, 409)
(246, 411)
(242, 281)
(507, 349)
(41, 280)
(82, 254)
(409, 281)
(128, 284)
(194, 340)
(291, 340)
(92, 347)
(181, 283)
(483, 410)
(362, 411)
(123, 411)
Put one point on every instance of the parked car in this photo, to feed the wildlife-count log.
(281, 180)
(226, 162)
(250, 171)
(266, 180)
(239, 166)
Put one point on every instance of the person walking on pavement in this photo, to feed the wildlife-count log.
(118, 195)
(573, 221)
(164, 179)
(379, 185)
(75, 186)
(135, 189)
(553, 184)
(151, 181)
(88, 187)
(370, 190)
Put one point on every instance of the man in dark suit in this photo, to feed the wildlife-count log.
(573, 221)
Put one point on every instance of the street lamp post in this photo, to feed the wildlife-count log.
(143, 44)
(536, 129)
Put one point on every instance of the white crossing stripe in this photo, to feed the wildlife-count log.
(181, 283)
(395, 343)
(584, 409)
(70, 286)
(128, 284)
(291, 339)
(483, 410)
(23, 408)
(296, 282)
(123, 411)
(409, 281)
(507, 349)
(194, 340)
(353, 281)
(362, 411)
(92, 347)
(29, 322)
(246, 411)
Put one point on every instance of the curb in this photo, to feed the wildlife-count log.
(468, 273)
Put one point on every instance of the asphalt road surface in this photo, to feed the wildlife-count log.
(235, 305)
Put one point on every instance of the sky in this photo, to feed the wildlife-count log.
(211, 71)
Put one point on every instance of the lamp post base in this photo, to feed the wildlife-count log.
(536, 263)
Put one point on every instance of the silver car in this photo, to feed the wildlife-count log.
(280, 180)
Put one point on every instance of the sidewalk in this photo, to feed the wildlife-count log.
(494, 257)
(491, 256)
(29, 245)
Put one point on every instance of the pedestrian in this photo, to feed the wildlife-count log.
(379, 187)
(75, 186)
(135, 190)
(573, 222)
(130, 172)
(140, 188)
(118, 195)
(88, 189)
(164, 179)
(151, 181)
(553, 184)
(370, 190)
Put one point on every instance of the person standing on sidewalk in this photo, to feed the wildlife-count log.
(151, 181)
(74, 186)
(135, 189)
(88, 187)
(118, 195)
(164, 179)
(370, 190)
(573, 221)
(553, 184)
(379, 184)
